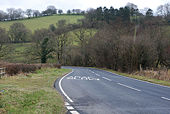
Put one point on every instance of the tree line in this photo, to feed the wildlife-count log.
(120, 39)
(17, 14)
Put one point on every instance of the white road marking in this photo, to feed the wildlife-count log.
(91, 71)
(97, 74)
(129, 87)
(70, 77)
(137, 79)
(77, 78)
(82, 78)
(62, 88)
(69, 107)
(74, 112)
(165, 98)
(90, 78)
(94, 73)
(66, 103)
(107, 78)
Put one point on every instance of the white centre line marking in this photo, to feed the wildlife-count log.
(62, 88)
(165, 98)
(97, 74)
(91, 71)
(94, 73)
(107, 78)
(129, 87)
(74, 112)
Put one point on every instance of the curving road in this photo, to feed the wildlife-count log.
(93, 91)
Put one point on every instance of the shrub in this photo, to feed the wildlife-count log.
(14, 69)
(57, 66)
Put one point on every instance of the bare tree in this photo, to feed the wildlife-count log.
(77, 11)
(62, 40)
(164, 10)
(19, 33)
(18, 13)
(11, 13)
(52, 10)
(29, 12)
(36, 13)
(3, 15)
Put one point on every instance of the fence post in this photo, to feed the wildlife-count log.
(2, 72)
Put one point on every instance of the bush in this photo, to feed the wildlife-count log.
(14, 69)
(57, 66)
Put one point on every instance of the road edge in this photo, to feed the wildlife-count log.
(70, 109)
(134, 78)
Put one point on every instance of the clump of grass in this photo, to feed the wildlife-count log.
(24, 94)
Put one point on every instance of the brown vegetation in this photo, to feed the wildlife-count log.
(13, 69)
(160, 74)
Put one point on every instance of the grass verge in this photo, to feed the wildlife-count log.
(32, 93)
(144, 78)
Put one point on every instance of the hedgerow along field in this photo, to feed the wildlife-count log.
(42, 22)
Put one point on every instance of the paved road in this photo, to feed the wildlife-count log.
(92, 91)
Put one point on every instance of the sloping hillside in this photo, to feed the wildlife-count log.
(42, 22)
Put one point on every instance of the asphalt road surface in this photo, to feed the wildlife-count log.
(93, 91)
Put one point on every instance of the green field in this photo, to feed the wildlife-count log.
(17, 53)
(42, 22)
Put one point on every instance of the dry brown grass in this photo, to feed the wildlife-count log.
(160, 74)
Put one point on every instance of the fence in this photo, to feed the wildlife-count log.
(2, 72)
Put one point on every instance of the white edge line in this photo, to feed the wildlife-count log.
(165, 98)
(92, 71)
(62, 88)
(107, 78)
(70, 108)
(136, 79)
(129, 87)
(66, 104)
(74, 112)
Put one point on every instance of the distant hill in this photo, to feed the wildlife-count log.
(42, 22)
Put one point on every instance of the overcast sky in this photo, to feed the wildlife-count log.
(77, 4)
